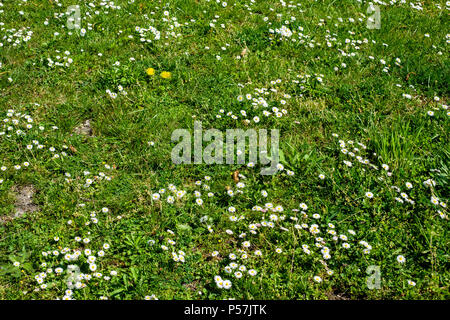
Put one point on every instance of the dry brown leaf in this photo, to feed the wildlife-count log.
(236, 176)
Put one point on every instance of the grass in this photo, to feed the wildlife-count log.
(343, 89)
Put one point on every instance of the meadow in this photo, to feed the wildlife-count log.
(93, 207)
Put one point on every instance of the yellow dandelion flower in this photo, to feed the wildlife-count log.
(166, 75)
(150, 71)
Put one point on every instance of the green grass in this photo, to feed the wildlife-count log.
(358, 101)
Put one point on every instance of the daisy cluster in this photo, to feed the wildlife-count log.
(416, 5)
(320, 240)
(14, 37)
(245, 260)
(20, 134)
(165, 28)
(60, 60)
(436, 106)
(192, 195)
(89, 15)
(114, 95)
(169, 246)
(89, 178)
(76, 264)
(74, 268)
(345, 44)
(149, 34)
(261, 104)
(357, 158)
(242, 256)
(70, 264)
